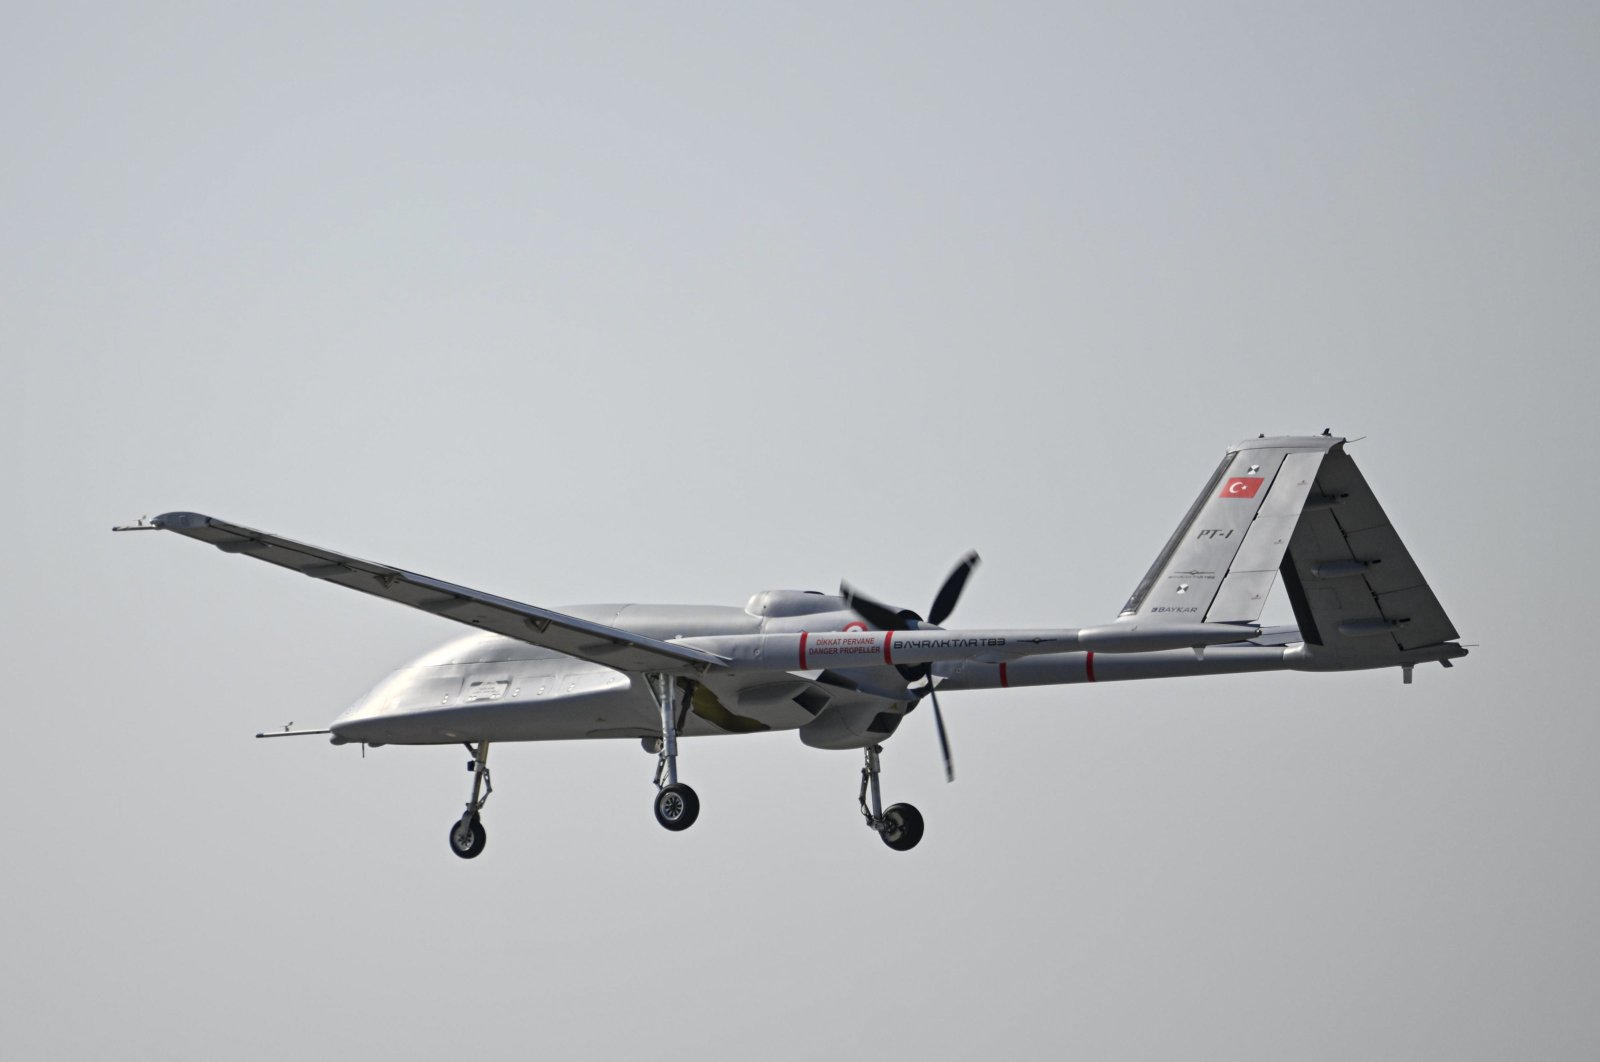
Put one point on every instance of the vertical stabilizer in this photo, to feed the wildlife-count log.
(1222, 561)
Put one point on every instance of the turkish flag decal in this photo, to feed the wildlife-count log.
(1241, 487)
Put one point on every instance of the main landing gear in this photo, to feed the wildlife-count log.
(467, 836)
(901, 825)
(676, 805)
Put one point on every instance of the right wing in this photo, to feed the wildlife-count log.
(597, 642)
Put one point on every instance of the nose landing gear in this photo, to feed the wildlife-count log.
(901, 825)
(467, 835)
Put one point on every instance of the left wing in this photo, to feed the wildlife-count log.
(596, 642)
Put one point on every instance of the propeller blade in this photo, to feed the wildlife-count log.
(944, 741)
(876, 613)
(950, 592)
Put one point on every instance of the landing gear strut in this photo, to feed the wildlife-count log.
(467, 835)
(901, 825)
(676, 805)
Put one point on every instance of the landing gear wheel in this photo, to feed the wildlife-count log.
(677, 806)
(468, 838)
(902, 827)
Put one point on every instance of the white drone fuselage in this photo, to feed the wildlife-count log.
(797, 660)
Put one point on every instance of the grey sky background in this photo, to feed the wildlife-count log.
(682, 302)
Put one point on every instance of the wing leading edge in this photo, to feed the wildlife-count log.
(596, 642)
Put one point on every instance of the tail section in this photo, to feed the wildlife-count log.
(1299, 507)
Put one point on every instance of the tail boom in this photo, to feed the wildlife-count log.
(1058, 669)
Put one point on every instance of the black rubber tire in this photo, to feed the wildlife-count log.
(474, 835)
(902, 827)
(677, 806)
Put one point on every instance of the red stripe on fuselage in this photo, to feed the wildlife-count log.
(803, 650)
(1005, 680)
(1088, 665)
(887, 635)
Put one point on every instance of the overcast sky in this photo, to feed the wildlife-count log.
(678, 302)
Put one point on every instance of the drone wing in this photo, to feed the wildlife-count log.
(597, 642)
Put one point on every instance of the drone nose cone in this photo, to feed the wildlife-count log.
(346, 731)
(363, 722)
(361, 709)
(356, 723)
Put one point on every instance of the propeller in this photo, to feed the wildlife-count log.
(944, 602)
(944, 741)
(887, 618)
